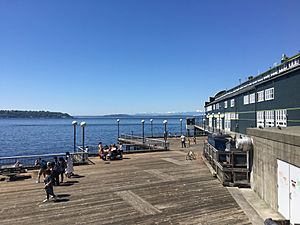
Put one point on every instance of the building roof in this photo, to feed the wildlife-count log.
(254, 81)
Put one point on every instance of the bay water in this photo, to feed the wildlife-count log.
(45, 136)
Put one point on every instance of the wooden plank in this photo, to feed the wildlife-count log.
(138, 203)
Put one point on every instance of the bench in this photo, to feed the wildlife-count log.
(11, 172)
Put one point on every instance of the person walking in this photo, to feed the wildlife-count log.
(63, 166)
(56, 170)
(43, 166)
(183, 145)
(49, 186)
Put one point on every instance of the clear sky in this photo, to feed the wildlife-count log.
(93, 57)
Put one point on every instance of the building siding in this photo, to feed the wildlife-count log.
(286, 88)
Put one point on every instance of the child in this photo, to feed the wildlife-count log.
(49, 185)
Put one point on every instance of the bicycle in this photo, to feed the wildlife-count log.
(191, 156)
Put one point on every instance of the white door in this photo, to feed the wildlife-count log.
(269, 116)
(281, 117)
(283, 178)
(260, 118)
(295, 194)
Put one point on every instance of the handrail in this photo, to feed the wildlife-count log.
(150, 142)
(29, 160)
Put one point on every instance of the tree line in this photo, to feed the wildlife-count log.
(32, 114)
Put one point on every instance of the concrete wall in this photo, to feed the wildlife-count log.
(271, 144)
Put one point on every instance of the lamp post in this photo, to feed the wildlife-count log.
(151, 121)
(83, 125)
(143, 130)
(165, 133)
(74, 123)
(219, 118)
(213, 122)
(180, 126)
(118, 121)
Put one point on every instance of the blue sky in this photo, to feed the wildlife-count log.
(127, 56)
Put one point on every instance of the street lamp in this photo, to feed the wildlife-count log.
(151, 121)
(165, 133)
(219, 118)
(74, 123)
(143, 130)
(83, 125)
(213, 122)
(180, 126)
(118, 121)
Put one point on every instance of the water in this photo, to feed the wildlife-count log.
(44, 136)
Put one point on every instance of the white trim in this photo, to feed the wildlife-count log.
(260, 96)
(252, 98)
(246, 99)
(269, 94)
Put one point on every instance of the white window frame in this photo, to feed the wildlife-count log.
(232, 102)
(260, 119)
(269, 118)
(217, 106)
(269, 94)
(260, 96)
(252, 98)
(225, 104)
(246, 99)
(227, 122)
(281, 117)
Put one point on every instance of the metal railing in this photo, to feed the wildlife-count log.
(230, 166)
(28, 161)
(148, 143)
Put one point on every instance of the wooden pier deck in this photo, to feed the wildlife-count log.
(146, 188)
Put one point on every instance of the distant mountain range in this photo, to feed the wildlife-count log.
(196, 113)
(168, 114)
(33, 114)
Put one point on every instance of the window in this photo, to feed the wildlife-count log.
(281, 117)
(208, 108)
(260, 119)
(252, 98)
(260, 96)
(232, 103)
(269, 118)
(227, 122)
(217, 106)
(225, 104)
(232, 116)
(246, 99)
(269, 94)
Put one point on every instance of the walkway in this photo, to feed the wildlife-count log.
(147, 188)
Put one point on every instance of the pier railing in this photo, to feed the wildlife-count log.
(231, 167)
(28, 161)
(144, 142)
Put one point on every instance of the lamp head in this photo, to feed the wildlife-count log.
(74, 123)
(142, 121)
(118, 120)
(165, 122)
(83, 124)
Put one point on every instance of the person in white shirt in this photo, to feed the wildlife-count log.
(183, 145)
